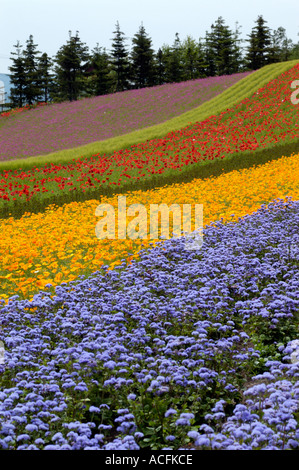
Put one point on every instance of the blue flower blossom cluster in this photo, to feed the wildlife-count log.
(181, 349)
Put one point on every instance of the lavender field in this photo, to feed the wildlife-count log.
(71, 124)
(182, 349)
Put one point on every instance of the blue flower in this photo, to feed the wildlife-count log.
(170, 412)
(170, 438)
(132, 396)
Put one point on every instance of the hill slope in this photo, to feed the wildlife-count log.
(257, 128)
(244, 88)
(71, 124)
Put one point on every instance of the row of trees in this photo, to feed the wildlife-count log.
(75, 72)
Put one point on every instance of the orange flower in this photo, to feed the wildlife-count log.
(60, 244)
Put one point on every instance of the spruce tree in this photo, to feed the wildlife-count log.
(142, 60)
(222, 54)
(99, 73)
(17, 78)
(258, 50)
(164, 63)
(159, 67)
(70, 63)
(31, 90)
(120, 63)
(201, 62)
(210, 58)
(189, 59)
(173, 61)
(45, 77)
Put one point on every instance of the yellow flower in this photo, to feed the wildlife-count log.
(61, 243)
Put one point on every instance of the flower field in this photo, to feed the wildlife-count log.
(60, 244)
(162, 353)
(64, 125)
(141, 344)
(261, 122)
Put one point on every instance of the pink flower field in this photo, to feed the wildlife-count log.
(71, 124)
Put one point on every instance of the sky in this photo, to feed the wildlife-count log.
(49, 21)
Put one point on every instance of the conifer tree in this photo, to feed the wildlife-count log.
(31, 90)
(142, 60)
(222, 54)
(201, 60)
(210, 58)
(189, 59)
(173, 61)
(160, 67)
(164, 64)
(120, 63)
(99, 73)
(258, 50)
(69, 70)
(45, 77)
(17, 77)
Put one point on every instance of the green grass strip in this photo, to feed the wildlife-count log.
(227, 99)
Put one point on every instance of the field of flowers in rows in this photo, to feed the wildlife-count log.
(142, 344)
(182, 349)
(266, 119)
(60, 244)
(70, 124)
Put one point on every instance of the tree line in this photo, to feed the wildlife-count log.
(75, 72)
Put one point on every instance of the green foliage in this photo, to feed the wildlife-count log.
(98, 79)
(281, 47)
(142, 60)
(32, 89)
(17, 78)
(77, 73)
(45, 77)
(31, 76)
(120, 64)
(173, 61)
(222, 50)
(70, 61)
(258, 53)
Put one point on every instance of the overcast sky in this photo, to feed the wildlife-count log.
(50, 20)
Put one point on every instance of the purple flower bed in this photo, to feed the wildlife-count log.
(181, 349)
(71, 124)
